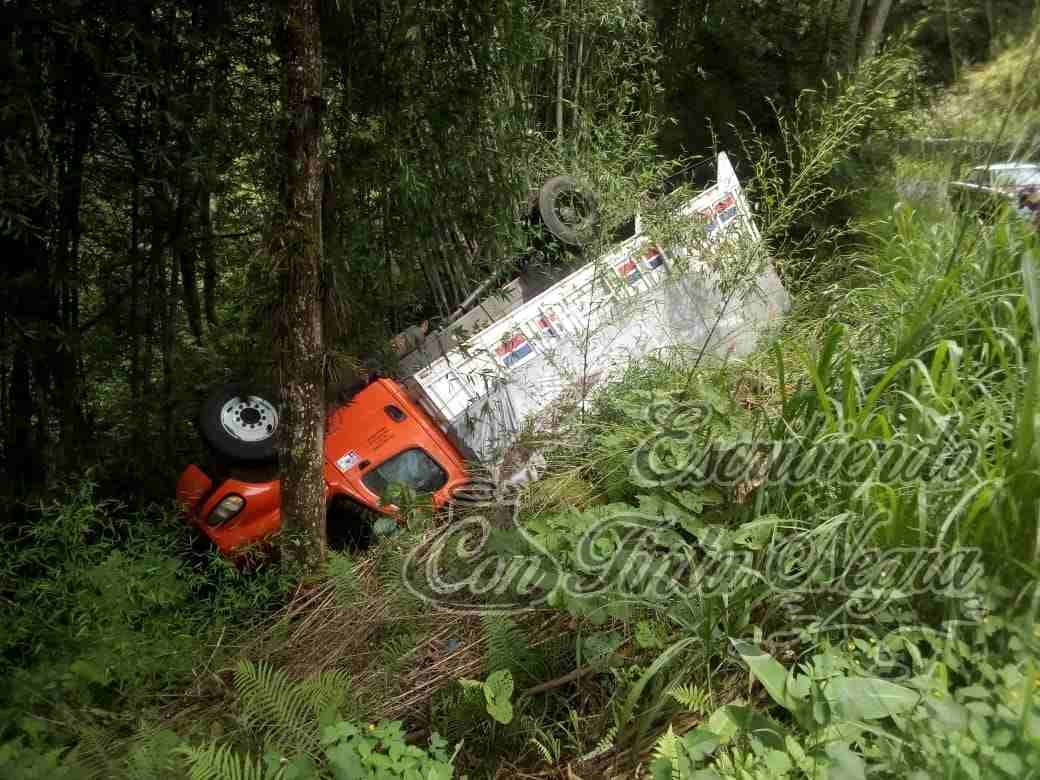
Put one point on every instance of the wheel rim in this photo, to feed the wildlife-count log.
(572, 208)
(249, 418)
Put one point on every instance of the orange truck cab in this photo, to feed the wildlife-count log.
(379, 437)
(493, 368)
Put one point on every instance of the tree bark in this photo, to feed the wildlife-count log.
(991, 28)
(827, 48)
(852, 31)
(561, 62)
(301, 354)
(950, 41)
(134, 316)
(878, 17)
(209, 259)
(185, 256)
(169, 345)
(74, 122)
(575, 117)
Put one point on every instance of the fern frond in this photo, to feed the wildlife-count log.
(666, 746)
(397, 651)
(220, 762)
(283, 713)
(92, 756)
(343, 574)
(692, 697)
(507, 648)
(548, 750)
(668, 749)
(605, 743)
(154, 753)
(326, 692)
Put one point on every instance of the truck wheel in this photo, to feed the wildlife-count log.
(240, 422)
(567, 211)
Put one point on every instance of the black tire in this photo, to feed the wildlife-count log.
(349, 524)
(256, 438)
(570, 213)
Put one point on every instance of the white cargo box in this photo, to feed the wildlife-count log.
(635, 300)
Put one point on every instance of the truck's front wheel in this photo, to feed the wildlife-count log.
(240, 422)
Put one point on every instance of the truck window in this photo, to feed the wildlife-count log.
(979, 176)
(1017, 177)
(412, 467)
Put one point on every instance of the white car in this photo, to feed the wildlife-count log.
(988, 186)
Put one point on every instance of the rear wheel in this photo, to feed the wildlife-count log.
(567, 211)
(240, 422)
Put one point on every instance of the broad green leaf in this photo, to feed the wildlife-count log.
(733, 719)
(498, 691)
(847, 765)
(778, 762)
(345, 762)
(338, 732)
(774, 678)
(300, 768)
(868, 698)
(1008, 762)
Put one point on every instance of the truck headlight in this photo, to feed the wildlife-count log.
(228, 507)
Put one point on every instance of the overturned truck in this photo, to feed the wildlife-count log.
(466, 391)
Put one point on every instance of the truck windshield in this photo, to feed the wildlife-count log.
(1017, 177)
(412, 467)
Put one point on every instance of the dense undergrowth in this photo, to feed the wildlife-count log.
(820, 561)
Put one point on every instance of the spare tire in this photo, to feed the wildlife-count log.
(240, 422)
(567, 211)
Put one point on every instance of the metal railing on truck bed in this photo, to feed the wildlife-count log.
(522, 352)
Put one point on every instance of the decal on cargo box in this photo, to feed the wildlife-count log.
(653, 258)
(720, 213)
(546, 324)
(512, 350)
(629, 271)
(348, 461)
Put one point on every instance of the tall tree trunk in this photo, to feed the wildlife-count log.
(575, 117)
(950, 41)
(302, 354)
(852, 31)
(75, 120)
(209, 259)
(826, 51)
(169, 344)
(876, 28)
(561, 63)
(134, 316)
(21, 456)
(185, 256)
(136, 312)
(991, 28)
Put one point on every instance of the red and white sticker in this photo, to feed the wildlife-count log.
(629, 271)
(720, 212)
(654, 258)
(546, 324)
(513, 350)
